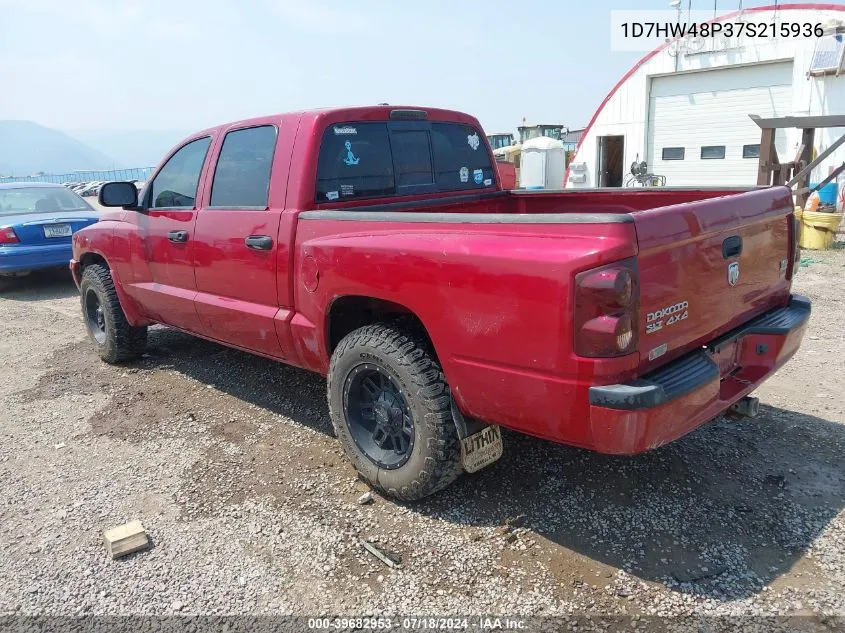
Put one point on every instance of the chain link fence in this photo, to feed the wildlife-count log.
(135, 173)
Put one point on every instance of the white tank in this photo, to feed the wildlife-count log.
(542, 164)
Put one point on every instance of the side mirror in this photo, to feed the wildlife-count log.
(118, 194)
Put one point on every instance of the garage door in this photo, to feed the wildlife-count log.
(699, 130)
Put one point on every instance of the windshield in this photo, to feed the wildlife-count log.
(540, 130)
(40, 200)
(498, 141)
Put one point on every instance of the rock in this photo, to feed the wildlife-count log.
(775, 480)
(365, 498)
(515, 522)
(693, 575)
(177, 605)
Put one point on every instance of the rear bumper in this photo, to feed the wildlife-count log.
(20, 257)
(677, 398)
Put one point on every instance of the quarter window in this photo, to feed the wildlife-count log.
(673, 153)
(242, 176)
(175, 186)
(711, 152)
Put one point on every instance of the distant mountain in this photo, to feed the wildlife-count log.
(27, 148)
(133, 148)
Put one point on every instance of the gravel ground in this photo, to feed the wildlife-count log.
(229, 461)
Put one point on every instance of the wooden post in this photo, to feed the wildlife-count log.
(767, 157)
(807, 138)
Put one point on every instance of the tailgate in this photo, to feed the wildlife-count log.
(707, 266)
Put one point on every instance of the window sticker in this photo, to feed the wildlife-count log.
(464, 174)
(473, 141)
(350, 159)
(346, 129)
(488, 182)
(347, 190)
(478, 176)
(332, 195)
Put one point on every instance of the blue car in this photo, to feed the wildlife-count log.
(37, 221)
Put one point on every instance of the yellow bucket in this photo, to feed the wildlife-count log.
(818, 230)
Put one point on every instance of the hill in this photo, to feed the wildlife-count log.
(27, 148)
(132, 148)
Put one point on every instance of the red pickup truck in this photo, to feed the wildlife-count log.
(376, 246)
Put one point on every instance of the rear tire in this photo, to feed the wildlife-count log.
(391, 409)
(115, 340)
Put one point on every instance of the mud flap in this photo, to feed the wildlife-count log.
(481, 449)
(481, 444)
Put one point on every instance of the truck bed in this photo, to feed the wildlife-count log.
(491, 278)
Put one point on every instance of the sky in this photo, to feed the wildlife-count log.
(191, 64)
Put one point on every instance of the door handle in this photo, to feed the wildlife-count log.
(732, 246)
(178, 237)
(259, 242)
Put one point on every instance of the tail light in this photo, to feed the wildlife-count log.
(796, 250)
(606, 310)
(7, 235)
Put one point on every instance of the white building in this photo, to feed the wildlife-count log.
(684, 107)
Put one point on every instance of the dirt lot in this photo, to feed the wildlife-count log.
(229, 461)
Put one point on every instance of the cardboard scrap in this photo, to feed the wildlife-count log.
(125, 539)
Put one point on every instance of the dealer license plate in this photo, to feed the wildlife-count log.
(481, 449)
(57, 230)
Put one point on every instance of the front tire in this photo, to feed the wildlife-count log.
(391, 408)
(114, 338)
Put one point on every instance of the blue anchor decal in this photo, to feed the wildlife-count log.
(350, 159)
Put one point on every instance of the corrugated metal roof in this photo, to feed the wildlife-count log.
(573, 136)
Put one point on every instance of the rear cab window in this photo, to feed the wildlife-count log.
(362, 160)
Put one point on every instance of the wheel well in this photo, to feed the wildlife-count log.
(91, 258)
(352, 312)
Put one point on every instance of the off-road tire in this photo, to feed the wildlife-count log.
(435, 458)
(122, 342)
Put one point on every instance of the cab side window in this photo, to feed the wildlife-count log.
(175, 185)
(242, 175)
